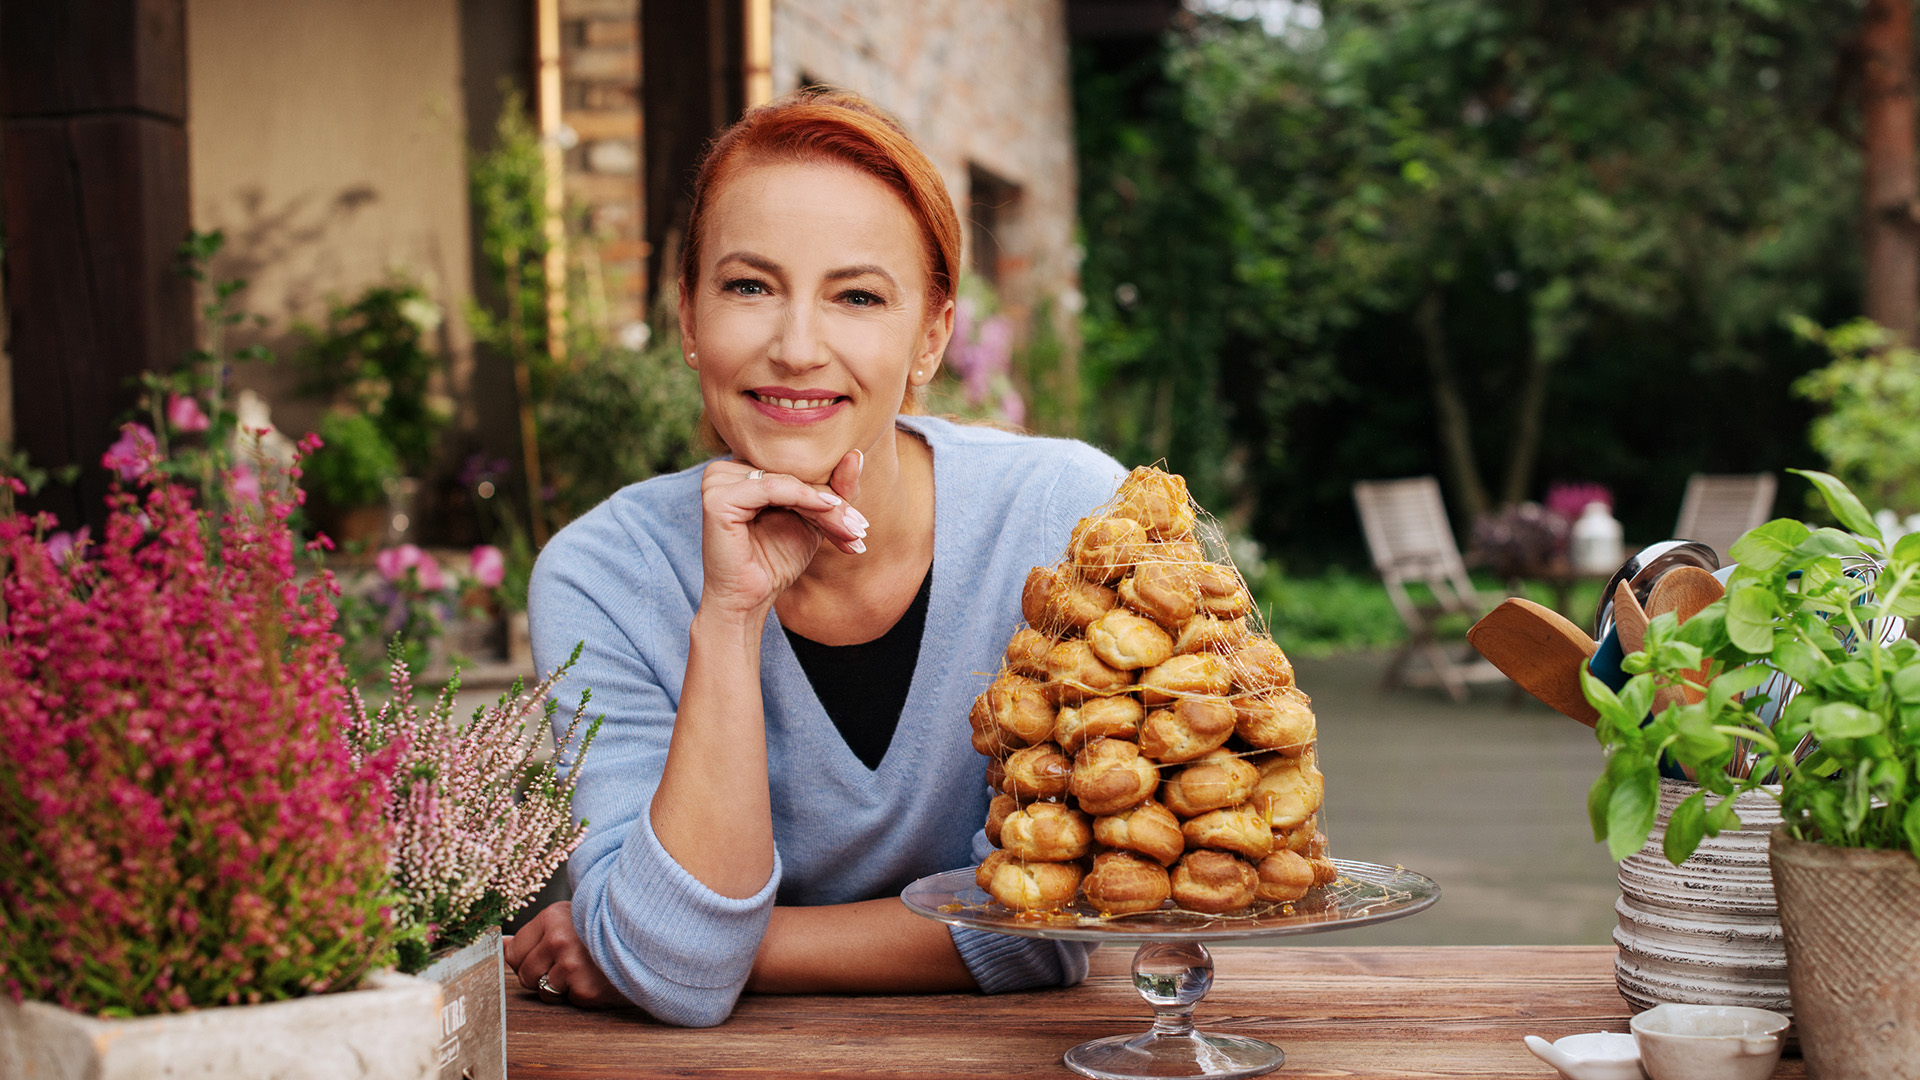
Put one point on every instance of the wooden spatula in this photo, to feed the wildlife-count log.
(1629, 618)
(1683, 591)
(1539, 650)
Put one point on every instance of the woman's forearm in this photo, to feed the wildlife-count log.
(875, 946)
(712, 811)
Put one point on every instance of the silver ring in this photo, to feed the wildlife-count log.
(756, 474)
(546, 987)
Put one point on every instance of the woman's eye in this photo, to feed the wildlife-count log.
(745, 287)
(862, 298)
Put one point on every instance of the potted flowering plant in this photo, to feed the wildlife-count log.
(1810, 685)
(479, 826)
(182, 825)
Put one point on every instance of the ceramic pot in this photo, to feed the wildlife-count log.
(1705, 932)
(385, 1030)
(1852, 922)
(473, 1013)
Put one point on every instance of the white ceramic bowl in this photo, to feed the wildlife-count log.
(1597, 1055)
(1709, 1042)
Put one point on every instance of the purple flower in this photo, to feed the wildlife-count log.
(184, 413)
(396, 561)
(61, 545)
(488, 566)
(136, 452)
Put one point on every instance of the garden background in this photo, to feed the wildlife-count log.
(1280, 246)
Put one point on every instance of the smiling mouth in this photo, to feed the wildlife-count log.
(795, 403)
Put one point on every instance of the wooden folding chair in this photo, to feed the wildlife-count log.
(1408, 535)
(1717, 510)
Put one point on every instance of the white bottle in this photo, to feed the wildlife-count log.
(1596, 547)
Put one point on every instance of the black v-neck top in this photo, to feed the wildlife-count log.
(864, 687)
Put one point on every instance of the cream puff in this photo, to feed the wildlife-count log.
(1116, 717)
(1240, 829)
(1109, 775)
(1047, 832)
(1149, 828)
(1193, 675)
(1127, 641)
(1167, 593)
(1031, 886)
(1186, 729)
(1277, 720)
(1213, 882)
(1215, 779)
(1039, 771)
(1122, 883)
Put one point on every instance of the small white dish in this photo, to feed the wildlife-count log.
(1709, 1042)
(1597, 1055)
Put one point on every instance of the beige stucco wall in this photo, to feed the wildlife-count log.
(326, 140)
(980, 81)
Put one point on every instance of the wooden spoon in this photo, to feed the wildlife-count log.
(1683, 591)
(1540, 651)
(1629, 619)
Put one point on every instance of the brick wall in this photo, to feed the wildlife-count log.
(600, 66)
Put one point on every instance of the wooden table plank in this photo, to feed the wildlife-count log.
(1371, 1013)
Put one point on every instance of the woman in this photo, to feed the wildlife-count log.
(785, 643)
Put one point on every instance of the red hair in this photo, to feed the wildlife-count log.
(833, 125)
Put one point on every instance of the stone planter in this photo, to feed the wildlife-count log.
(1852, 921)
(385, 1030)
(473, 1013)
(1705, 932)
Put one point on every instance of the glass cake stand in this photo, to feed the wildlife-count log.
(1172, 968)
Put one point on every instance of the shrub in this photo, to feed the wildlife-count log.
(181, 823)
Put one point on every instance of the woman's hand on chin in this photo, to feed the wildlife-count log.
(761, 529)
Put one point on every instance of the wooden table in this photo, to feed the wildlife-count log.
(1347, 1012)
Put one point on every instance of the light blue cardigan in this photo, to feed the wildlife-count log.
(625, 579)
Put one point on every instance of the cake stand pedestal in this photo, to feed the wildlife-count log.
(1172, 969)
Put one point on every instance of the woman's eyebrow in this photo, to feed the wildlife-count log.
(758, 262)
(861, 270)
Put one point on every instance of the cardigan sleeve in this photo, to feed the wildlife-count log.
(673, 946)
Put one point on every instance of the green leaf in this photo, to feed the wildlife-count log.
(1697, 740)
(1750, 613)
(1729, 685)
(1910, 824)
(1598, 796)
(1764, 546)
(1843, 502)
(1907, 548)
(1802, 662)
(1636, 698)
(1851, 679)
(1906, 681)
(1724, 815)
(1685, 828)
(1824, 542)
(1841, 720)
(1632, 807)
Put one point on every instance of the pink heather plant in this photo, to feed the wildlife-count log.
(181, 824)
(467, 853)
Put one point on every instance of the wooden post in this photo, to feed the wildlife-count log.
(757, 64)
(93, 106)
(1892, 219)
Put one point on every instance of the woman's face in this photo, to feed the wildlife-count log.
(810, 319)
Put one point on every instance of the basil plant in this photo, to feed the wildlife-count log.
(1804, 680)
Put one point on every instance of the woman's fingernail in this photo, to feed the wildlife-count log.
(832, 499)
(859, 547)
(858, 520)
